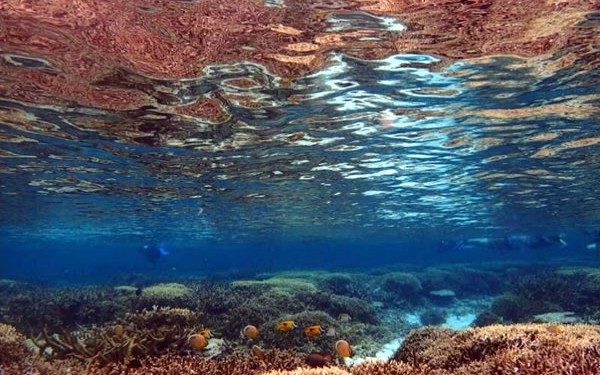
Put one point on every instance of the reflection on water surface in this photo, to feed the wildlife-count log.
(230, 121)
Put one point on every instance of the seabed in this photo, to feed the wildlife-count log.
(430, 321)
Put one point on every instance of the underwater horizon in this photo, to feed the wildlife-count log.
(367, 167)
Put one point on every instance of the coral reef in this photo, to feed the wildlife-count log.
(461, 279)
(30, 308)
(433, 317)
(510, 307)
(295, 285)
(166, 294)
(526, 349)
(486, 318)
(357, 309)
(549, 291)
(150, 332)
(540, 349)
(12, 344)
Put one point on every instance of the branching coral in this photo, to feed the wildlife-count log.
(12, 344)
(30, 308)
(151, 332)
(526, 349)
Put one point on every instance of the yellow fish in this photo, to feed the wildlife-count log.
(206, 333)
(286, 325)
(313, 331)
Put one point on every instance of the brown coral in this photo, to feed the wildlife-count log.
(12, 344)
(150, 332)
(528, 348)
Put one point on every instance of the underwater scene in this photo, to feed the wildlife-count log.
(325, 187)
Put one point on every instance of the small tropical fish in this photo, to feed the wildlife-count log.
(206, 333)
(318, 359)
(258, 353)
(197, 342)
(293, 100)
(313, 331)
(343, 317)
(286, 325)
(343, 349)
(250, 332)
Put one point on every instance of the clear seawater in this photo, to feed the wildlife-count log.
(373, 163)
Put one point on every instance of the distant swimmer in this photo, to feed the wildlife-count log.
(505, 243)
(153, 252)
(523, 241)
(594, 241)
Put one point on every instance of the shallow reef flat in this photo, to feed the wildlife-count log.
(522, 348)
(446, 319)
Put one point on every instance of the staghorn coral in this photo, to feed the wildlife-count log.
(151, 332)
(12, 344)
(522, 348)
(30, 308)
(311, 371)
(534, 349)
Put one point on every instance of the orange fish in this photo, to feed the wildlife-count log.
(313, 331)
(286, 325)
(250, 332)
(343, 348)
(197, 342)
(206, 333)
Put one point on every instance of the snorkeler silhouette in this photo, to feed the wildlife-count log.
(510, 242)
(153, 252)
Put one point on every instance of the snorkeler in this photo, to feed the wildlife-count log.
(594, 244)
(510, 242)
(523, 241)
(153, 252)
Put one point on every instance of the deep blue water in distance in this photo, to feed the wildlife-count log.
(94, 262)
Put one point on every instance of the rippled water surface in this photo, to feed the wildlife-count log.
(165, 122)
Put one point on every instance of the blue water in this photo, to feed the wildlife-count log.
(395, 156)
